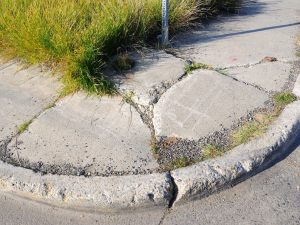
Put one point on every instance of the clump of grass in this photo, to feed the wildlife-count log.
(247, 132)
(79, 36)
(154, 148)
(178, 163)
(195, 66)
(24, 126)
(262, 121)
(212, 151)
(284, 98)
(127, 97)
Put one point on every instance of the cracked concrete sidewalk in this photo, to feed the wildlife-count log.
(159, 102)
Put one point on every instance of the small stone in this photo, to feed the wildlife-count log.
(270, 59)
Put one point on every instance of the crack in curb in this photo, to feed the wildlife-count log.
(174, 195)
(167, 212)
(174, 191)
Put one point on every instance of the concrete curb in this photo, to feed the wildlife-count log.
(97, 193)
(145, 191)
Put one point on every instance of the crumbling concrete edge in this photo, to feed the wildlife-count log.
(117, 193)
(105, 194)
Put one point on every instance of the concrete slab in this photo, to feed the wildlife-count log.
(262, 28)
(152, 74)
(203, 103)
(87, 135)
(23, 94)
(270, 76)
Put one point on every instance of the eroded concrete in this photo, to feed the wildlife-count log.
(24, 92)
(84, 135)
(203, 103)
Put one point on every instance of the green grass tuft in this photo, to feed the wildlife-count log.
(261, 122)
(284, 98)
(247, 132)
(212, 151)
(178, 163)
(195, 66)
(127, 97)
(23, 127)
(79, 37)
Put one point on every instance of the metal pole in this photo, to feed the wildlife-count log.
(165, 22)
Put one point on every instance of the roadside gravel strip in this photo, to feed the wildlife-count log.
(144, 191)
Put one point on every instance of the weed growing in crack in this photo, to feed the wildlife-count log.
(212, 151)
(247, 132)
(23, 127)
(196, 66)
(284, 98)
(49, 106)
(127, 97)
(179, 163)
(154, 149)
(262, 121)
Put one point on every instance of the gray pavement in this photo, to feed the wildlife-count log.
(262, 28)
(272, 197)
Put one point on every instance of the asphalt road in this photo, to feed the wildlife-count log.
(270, 197)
